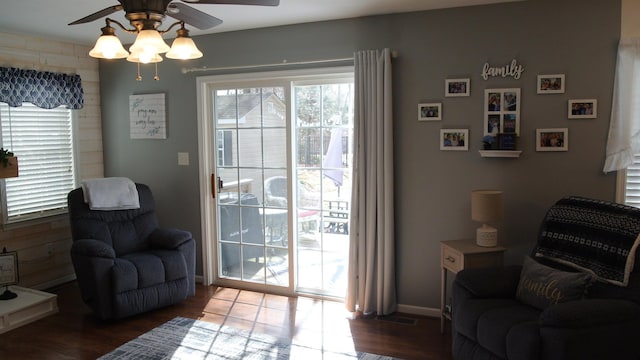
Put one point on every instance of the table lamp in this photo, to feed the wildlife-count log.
(486, 206)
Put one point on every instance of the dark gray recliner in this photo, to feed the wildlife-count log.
(124, 263)
(491, 321)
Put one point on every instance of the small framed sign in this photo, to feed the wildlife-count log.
(147, 116)
(8, 268)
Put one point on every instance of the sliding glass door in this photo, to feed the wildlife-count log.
(251, 167)
(323, 135)
(281, 162)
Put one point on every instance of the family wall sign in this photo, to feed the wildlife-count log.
(513, 70)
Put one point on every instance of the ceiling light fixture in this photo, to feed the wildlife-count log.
(148, 44)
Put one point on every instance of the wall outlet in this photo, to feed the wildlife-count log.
(50, 248)
(183, 158)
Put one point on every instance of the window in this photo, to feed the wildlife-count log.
(629, 189)
(225, 147)
(42, 139)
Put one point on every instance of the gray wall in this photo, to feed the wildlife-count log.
(573, 37)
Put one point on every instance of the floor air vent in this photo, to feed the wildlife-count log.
(398, 319)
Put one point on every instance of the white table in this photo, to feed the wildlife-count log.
(29, 306)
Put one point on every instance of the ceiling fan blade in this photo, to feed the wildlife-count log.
(191, 16)
(236, 2)
(97, 15)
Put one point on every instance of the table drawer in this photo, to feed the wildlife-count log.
(452, 260)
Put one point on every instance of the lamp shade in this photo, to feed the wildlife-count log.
(486, 205)
(108, 47)
(149, 41)
(183, 48)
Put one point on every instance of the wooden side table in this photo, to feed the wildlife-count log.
(456, 255)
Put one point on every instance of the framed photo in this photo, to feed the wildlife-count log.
(8, 268)
(457, 87)
(430, 112)
(501, 111)
(551, 84)
(507, 141)
(454, 139)
(583, 109)
(552, 139)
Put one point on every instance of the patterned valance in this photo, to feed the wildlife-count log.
(42, 88)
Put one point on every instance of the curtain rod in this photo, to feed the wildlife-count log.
(394, 54)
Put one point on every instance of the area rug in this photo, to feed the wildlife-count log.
(182, 338)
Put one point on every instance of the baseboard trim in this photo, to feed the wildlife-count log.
(55, 282)
(419, 310)
(407, 309)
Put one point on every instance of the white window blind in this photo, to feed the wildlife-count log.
(42, 139)
(632, 183)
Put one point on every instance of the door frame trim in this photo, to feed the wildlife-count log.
(206, 161)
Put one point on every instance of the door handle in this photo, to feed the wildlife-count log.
(213, 186)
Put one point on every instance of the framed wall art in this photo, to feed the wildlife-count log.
(430, 112)
(454, 139)
(507, 141)
(457, 87)
(583, 109)
(147, 117)
(552, 139)
(551, 84)
(501, 111)
(8, 268)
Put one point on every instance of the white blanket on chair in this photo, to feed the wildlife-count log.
(112, 193)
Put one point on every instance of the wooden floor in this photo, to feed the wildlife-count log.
(74, 334)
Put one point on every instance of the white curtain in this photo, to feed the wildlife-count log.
(624, 128)
(372, 283)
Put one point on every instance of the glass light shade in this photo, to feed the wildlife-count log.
(149, 41)
(108, 47)
(144, 58)
(183, 48)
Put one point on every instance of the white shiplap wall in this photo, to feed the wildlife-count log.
(43, 246)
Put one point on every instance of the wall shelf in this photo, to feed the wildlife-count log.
(501, 153)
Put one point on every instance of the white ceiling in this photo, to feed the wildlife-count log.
(50, 18)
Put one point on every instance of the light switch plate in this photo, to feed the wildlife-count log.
(183, 158)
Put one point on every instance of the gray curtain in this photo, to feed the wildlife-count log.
(372, 283)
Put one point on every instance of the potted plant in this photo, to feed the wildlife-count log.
(9, 166)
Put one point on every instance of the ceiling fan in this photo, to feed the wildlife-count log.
(146, 16)
(147, 13)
